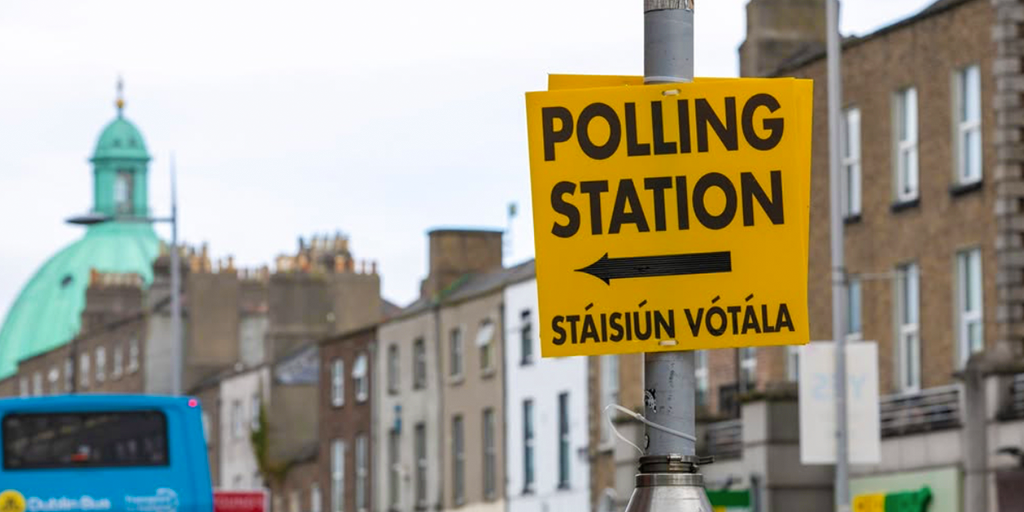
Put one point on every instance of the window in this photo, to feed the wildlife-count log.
(362, 472)
(37, 384)
(609, 391)
(563, 440)
(84, 440)
(338, 383)
(393, 375)
(118, 363)
(23, 387)
(123, 192)
(748, 368)
(83, 371)
(906, 144)
(455, 353)
(853, 308)
(278, 504)
(851, 162)
(337, 475)
(101, 364)
(421, 464)
(967, 124)
(485, 342)
(490, 455)
(458, 462)
(69, 375)
(526, 338)
(315, 503)
(205, 420)
(237, 420)
(254, 413)
(527, 446)
(360, 379)
(700, 365)
(293, 501)
(793, 363)
(133, 356)
(907, 314)
(419, 364)
(394, 468)
(53, 380)
(970, 337)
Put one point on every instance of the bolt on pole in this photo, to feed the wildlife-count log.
(835, 95)
(669, 382)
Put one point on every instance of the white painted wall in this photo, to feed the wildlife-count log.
(542, 382)
(238, 468)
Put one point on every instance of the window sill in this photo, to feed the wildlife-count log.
(487, 373)
(903, 205)
(527, 362)
(563, 487)
(528, 491)
(959, 189)
(456, 380)
(362, 399)
(335, 405)
(852, 219)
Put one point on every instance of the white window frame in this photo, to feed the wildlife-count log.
(969, 304)
(337, 475)
(101, 364)
(255, 404)
(458, 459)
(118, 368)
(564, 441)
(361, 377)
(69, 374)
(83, 370)
(456, 354)
(293, 501)
(394, 468)
(908, 333)
(24, 388)
(338, 382)
(793, 363)
(362, 472)
(526, 346)
(905, 145)
(748, 369)
(529, 448)
(854, 297)
(37, 383)
(53, 379)
(490, 441)
(419, 363)
(485, 344)
(315, 503)
(963, 128)
(420, 451)
(394, 375)
(133, 355)
(850, 162)
(700, 373)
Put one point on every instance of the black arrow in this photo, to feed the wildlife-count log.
(607, 268)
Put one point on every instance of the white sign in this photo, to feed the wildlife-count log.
(818, 403)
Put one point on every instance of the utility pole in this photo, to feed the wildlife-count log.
(668, 478)
(835, 98)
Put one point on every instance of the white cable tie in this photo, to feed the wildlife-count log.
(640, 417)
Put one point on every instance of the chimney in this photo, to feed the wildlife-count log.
(457, 252)
(778, 30)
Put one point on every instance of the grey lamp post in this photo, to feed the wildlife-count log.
(176, 343)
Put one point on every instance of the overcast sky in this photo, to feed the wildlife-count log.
(301, 118)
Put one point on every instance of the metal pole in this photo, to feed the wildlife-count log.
(176, 344)
(835, 95)
(669, 380)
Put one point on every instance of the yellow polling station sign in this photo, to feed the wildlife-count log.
(670, 217)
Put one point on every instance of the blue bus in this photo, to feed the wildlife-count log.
(103, 453)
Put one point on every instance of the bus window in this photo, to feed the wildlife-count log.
(84, 440)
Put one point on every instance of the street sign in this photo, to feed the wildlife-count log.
(653, 234)
(817, 362)
(240, 501)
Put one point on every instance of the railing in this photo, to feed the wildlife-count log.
(928, 410)
(724, 439)
(1013, 406)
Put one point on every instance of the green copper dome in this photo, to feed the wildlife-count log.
(120, 140)
(47, 313)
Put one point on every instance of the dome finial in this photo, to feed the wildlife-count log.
(120, 96)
